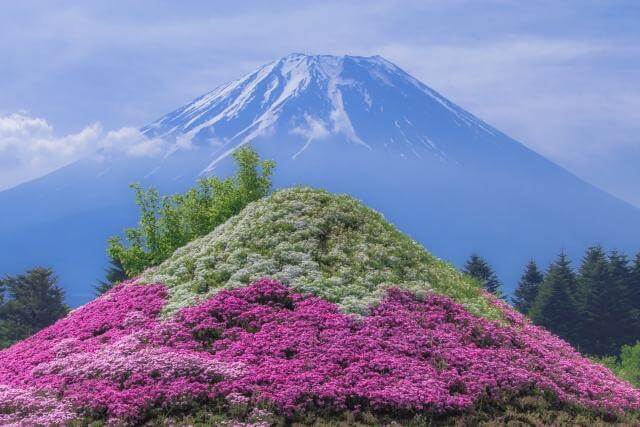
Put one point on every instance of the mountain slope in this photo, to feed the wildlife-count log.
(264, 354)
(353, 125)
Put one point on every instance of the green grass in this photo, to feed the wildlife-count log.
(530, 409)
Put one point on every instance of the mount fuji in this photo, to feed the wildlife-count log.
(357, 125)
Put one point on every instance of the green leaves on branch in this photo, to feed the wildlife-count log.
(169, 222)
(627, 366)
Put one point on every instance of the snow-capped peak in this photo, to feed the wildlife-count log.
(364, 101)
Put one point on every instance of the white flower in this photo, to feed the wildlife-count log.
(332, 246)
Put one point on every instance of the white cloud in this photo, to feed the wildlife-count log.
(29, 147)
(130, 141)
(313, 128)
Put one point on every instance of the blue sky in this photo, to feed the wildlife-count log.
(563, 77)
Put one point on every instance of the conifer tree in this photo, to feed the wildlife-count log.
(635, 289)
(480, 270)
(623, 326)
(34, 301)
(528, 286)
(3, 326)
(596, 313)
(554, 307)
(114, 274)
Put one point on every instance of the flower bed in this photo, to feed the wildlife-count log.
(268, 345)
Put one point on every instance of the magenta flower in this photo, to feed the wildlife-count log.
(264, 343)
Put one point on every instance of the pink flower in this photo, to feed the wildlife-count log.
(265, 343)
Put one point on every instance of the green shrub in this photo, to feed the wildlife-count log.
(627, 366)
(167, 223)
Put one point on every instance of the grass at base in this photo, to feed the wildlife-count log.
(534, 409)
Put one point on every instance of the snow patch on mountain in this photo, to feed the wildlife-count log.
(313, 129)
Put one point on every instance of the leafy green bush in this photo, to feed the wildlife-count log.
(169, 222)
(627, 366)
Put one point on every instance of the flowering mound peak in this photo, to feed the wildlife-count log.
(265, 346)
(331, 246)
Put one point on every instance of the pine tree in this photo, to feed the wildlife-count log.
(4, 342)
(634, 289)
(114, 274)
(528, 286)
(480, 270)
(34, 301)
(594, 336)
(623, 322)
(554, 307)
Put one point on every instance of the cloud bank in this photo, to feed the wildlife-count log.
(29, 147)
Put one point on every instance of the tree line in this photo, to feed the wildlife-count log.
(596, 307)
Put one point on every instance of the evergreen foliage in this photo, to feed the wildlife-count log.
(554, 308)
(32, 301)
(479, 269)
(623, 323)
(596, 312)
(528, 287)
(114, 274)
(607, 305)
(635, 287)
(167, 223)
(3, 326)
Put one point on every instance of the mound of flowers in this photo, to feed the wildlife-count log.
(267, 346)
(330, 245)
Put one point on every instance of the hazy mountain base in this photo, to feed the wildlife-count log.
(331, 246)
